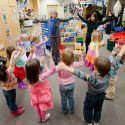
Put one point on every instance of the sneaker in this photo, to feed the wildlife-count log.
(65, 112)
(18, 112)
(96, 123)
(89, 123)
(109, 98)
(47, 117)
(20, 107)
(72, 112)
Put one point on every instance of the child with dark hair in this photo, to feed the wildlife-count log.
(19, 71)
(8, 83)
(66, 80)
(40, 90)
(98, 82)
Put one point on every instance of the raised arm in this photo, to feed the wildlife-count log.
(52, 67)
(106, 20)
(41, 43)
(80, 62)
(65, 20)
(83, 19)
(41, 20)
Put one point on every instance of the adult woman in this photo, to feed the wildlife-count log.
(92, 24)
(54, 34)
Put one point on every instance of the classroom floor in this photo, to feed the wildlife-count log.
(113, 111)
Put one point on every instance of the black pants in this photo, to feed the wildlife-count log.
(55, 44)
(10, 96)
(88, 41)
(93, 107)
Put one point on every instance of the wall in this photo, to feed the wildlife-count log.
(44, 3)
(11, 22)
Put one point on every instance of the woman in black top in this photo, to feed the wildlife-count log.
(92, 24)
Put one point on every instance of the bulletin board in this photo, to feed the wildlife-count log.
(9, 22)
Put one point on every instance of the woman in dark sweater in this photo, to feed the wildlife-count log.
(55, 38)
(92, 24)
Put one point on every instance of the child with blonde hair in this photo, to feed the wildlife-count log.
(38, 45)
(66, 80)
(93, 48)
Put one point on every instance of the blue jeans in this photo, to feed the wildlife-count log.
(67, 94)
(93, 107)
(10, 96)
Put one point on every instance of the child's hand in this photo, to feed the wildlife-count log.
(19, 48)
(48, 54)
(46, 38)
(80, 53)
(32, 49)
(43, 61)
(62, 65)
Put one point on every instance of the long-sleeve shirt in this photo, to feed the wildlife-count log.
(39, 49)
(92, 25)
(11, 81)
(57, 34)
(66, 77)
(96, 84)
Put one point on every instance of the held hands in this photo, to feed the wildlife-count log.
(109, 13)
(62, 66)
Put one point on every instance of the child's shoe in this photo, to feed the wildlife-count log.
(65, 112)
(72, 112)
(46, 118)
(22, 85)
(18, 112)
(89, 123)
(96, 123)
(20, 107)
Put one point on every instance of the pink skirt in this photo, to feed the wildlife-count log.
(41, 96)
(90, 58)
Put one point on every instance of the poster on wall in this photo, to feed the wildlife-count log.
(4, 16)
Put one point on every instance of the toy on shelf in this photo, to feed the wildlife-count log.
(118, 37)
(79, 43)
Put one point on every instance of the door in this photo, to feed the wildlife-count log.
(50, 8)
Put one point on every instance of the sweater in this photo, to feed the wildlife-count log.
(56, 25)
(92, 25)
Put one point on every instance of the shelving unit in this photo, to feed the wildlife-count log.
(71, 37)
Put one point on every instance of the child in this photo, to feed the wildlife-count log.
(38, 45)
(19, 71)
(40, 90)
(110, 92)
(98, 82)
(66, 80)
(93, 48)
(8, 83)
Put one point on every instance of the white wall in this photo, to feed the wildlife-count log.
(44, 3)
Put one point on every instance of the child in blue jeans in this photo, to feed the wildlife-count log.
(98, 82)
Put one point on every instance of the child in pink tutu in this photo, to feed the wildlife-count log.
(93, 49)
(40, 90)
